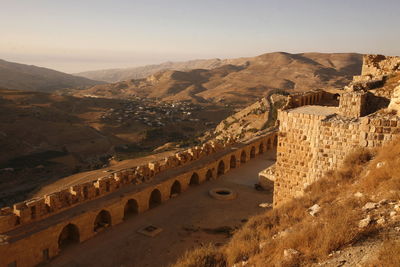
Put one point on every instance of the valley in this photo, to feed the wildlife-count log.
(46, 136)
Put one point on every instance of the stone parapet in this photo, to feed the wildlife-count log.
(352, 104)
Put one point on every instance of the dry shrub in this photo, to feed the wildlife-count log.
(389, 255)
(355, 163)
(246, 242)
(386, 177)
(315, 238)
(243, 245)
(206, 256)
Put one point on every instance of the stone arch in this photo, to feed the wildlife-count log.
(102, 221)
(253, 152)
(209, 175)
(232, 163)
(131, 208)
(85, 192)
(269, 145)
(336, 97)
(69, 235)
(243, 157)
(195, 179)
(108, 186)
(175, 189)
(155, 198)
(221, 168)
(261, 148)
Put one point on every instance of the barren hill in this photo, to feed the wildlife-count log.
(46, 136)
(118, 75)
(28, 77)
(242, 83)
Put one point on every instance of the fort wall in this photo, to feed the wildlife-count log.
(30, 236)
(315, 139)
(309, 145)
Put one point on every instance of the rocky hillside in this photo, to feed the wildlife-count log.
(240, 84)
(118, 75)
(32, 78)
(349, 218)
(251, 120)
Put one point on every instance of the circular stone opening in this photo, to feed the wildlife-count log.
(222, 193)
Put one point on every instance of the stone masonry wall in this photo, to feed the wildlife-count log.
(310, 145)
(36, 209)
(295, 153)
(353, 104)
(30, 233)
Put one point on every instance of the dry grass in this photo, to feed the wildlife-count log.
(207, 256)
(264, 238)
(389, 255)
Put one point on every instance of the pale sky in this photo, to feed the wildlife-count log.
(79, 35)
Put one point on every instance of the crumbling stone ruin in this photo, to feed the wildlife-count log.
(314, 139)
(316, 132)
(33, 231)
(259, 117)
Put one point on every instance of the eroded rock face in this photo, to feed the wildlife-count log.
(395, 100)
(379, 65)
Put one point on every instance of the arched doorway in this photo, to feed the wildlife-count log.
(155, 199)
(336, 97)
(85, 192)
(131, 209)
(232, 164)
(194, 180)
(253, 152)
(243, 157)
(175, 189)
(209, 175)
(102, 221)
(269, 144)
(69, 235)
(221, 168)
(261, 148)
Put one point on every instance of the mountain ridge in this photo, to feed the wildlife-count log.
(121, 74)
(241, 81)
(17, 76)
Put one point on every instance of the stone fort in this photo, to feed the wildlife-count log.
(314, 139)
(315, 133)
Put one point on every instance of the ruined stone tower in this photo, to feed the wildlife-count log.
(314, 139)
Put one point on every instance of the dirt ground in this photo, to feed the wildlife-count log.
(186, 222)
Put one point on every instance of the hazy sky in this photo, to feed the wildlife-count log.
(78, 35)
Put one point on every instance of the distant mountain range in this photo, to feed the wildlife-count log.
(32, 78)
(118, 75)
(242, 80)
